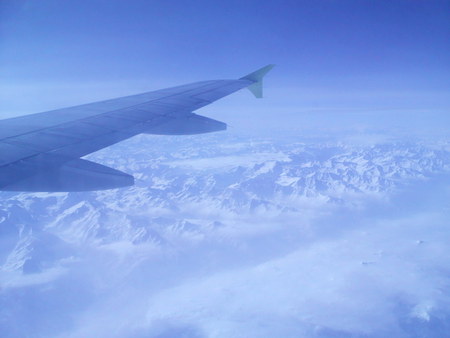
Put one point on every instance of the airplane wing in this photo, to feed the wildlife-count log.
(41, 152)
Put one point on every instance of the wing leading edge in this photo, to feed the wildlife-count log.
(41, 152)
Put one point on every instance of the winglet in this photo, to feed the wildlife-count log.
(257, 78)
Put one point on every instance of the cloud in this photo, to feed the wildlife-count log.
(15, 279)
(174, 257)
(367, 273)
(363, 283)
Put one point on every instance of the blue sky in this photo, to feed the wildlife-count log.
(391, 56)
(402, 44)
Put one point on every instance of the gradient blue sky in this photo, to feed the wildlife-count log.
(326, 51)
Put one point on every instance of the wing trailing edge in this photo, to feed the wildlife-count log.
(187, 125)
(76, 175)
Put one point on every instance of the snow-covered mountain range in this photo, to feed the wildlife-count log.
(202, 202)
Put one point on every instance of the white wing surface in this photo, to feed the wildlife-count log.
(41, 152)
